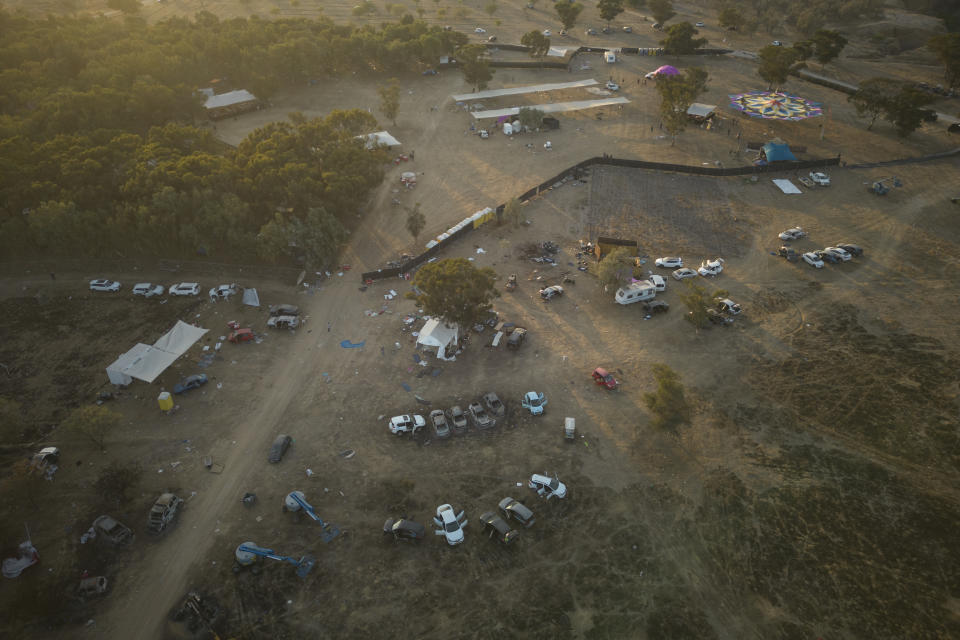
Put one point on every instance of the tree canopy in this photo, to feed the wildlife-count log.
(661, 10)
(827, 45)
(539, 44)
(946, 46)
(776, 63)
(609, 9)
(668, 403)
(455, 291)
(677, 93)
(568, 12)
(900, 103)
(474, 64)
(390, 99)
(680, 40)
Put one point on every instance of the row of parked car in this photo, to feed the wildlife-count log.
(483, 415)
(450, 524)
(150, 290)
(707, 267)
(841, 252)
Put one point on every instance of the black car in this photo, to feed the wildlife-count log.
(518, 511)
(498, 527)
(190, 382)
(284, 310)
(716, 317)
(656, 306)
(853, 249)
(789, 253)
(279, 447)
(516, 338)
(828, 257)
(404, 529)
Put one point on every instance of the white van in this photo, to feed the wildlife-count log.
(636, 292)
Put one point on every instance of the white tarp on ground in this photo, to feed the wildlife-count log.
(533, 88)
(145, 362)
(251, 298)
(556, 107)
(558, 52)
(380, 137)
(435, 334)
(229, 98)
(700, 110)
(786, 186)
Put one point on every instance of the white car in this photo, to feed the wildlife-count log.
(793, 234)
(612, 86)
(680, 274)
(479, 30)
(548, 487)
(551, 292)
(726, 305)
(450, 524)
(658, 283)
(546, 32)
(628, 29)
(669, 263)
(711, 267)
(821, 179)
(777, 43)
(700, 24)
(185, 289)
(224, 291)
(813, 260)
(838, 252)
(148, 290)
(406, 424)
(104, 285)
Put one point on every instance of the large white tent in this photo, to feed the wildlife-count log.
(436, 334)
(146, 362)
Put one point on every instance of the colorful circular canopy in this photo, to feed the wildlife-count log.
(775, 105)
(667, 70)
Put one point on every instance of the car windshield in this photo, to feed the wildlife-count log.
(535, 401)
(554, 484)
(452, 526)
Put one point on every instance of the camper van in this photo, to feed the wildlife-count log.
(609, 57)
(636, 292)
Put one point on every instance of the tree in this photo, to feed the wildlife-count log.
(568, 12)
(416, 221)
(390, 100)
(530, 118)
(609, 9)
(811, 20)
(116, 480)
(93, 421)
(697, 301)
(616, 267)
(661, 10)
(946, 46)
(805, 50)
(513, 212)
(455, 291)
(828, 45)
(872, 98)
(317, 238)
(668, 403)
(472, 59)
(730, 17)
(677, 93)
(900, 103)
(680, 40)
(539, 44)
(490, 8)
(776, 63)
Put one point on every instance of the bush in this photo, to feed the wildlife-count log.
(668, 403)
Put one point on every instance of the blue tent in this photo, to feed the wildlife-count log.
(777, 152)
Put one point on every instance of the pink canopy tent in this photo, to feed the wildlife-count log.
(667, 70)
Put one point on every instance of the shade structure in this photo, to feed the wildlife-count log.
(667, 70)
(775, 105)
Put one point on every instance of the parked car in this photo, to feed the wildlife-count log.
(283, 322)
(628, 29)
(777, 43)
(516, 338)
(547, 33)
(793, 234)
(669, 263)
(607, 30)
(224, 291)
(113, 532)
(458, 418)
(820, 178)
(854, 250)
(612, 86)
(284, 310)
(535, 402)
(406, 424)
(498, 527)
(789, 253)
(241, 335)
(163, 513)
(481, 419)
(813, 260)
(604, 378)
(517, 511)
(716, 317)
(104, 285)
(726, 305)
(92, 587)
(185, 289)
(494, 405)
(711, 267)
(404, 529)
(148, 290)
(279, 448)
(839, 253)
(807, 182)
(450, 524)
(590, 31)
(656, 306)
(680, 274)
(826, 256)
(699, 25)
(190, 382)
(551, 292)
(44, 458)
(439, 421)
(547, 487)
(658, 282)
(563, 32)
(492, 39)
(479, 30)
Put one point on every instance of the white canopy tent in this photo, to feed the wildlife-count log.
(380, 138)
(435, 334)
(700, 110)
(145, 362)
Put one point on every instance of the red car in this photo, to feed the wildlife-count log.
(241, 335)
(604, 379)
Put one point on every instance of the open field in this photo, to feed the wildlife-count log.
(813, 493)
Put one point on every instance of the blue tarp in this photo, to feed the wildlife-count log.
(777, 151)
(346, 344)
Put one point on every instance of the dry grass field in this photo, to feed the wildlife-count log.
(813, 493)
